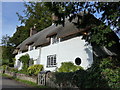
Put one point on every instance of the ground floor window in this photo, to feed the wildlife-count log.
(51, 61)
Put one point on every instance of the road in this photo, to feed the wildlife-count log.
(9, 83)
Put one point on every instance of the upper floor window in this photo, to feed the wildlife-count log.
(19, 52)
(54, 39)
(30, 48)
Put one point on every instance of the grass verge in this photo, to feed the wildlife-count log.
(29, 83)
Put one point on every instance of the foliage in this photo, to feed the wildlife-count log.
(35, 69)
(7, 50)
(101, 34)
(12, 69)
(5, 40)
(64, 78)
(68, 67)
(104, 73)
(20, 35)
(34, 14)
(35, 85)
(5, 62)
(4, 67)
(25, 60)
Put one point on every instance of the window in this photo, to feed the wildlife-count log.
(51, 61)
(55, 39)
(30, 48)
(77, 61)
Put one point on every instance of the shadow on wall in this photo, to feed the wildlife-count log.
(89, 52)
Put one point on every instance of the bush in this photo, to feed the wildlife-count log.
(12, 69)
(104, 73)
(5, 61)
(4, 67)
(64, 78)
(35, 69)
(25, 60)
(68, 67)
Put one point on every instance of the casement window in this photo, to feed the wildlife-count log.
(51, 61)
(54, 39)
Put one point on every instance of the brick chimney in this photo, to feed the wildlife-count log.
(33, 30)
(54, 18)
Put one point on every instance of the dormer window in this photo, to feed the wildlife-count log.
(54, 39)
(19, 52)
(30, 48)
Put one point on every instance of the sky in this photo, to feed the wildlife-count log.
(9, 17)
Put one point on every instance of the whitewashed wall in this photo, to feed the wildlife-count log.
(65, 51)
(33, 54)
(68, 50)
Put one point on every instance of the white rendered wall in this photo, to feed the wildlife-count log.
(33, 54)
(67, 51)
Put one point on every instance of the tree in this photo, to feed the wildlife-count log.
(34, 14)
(100, 34)
(7, 50)
(20, 35)
(5, 40)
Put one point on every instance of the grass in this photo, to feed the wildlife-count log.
(29, 83)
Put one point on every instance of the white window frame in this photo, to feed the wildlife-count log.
(55, 39)
(30, 48)
(51, 61)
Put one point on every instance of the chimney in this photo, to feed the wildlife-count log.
(54, 18)
(33, 30)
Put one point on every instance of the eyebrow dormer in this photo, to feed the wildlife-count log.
(55, 39)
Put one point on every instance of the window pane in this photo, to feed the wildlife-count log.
(52, 60)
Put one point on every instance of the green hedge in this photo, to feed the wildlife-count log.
(104, 73)
(35, 69)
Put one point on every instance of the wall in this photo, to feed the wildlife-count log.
(66, 51)
(22, 76)
(33, 54)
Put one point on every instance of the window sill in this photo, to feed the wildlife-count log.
(50, 66)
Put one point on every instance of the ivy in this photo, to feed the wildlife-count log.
(25, 60)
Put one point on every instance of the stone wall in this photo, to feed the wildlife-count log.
(22, 76)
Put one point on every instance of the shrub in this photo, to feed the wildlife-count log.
(5, 61)
(68, 67)
(35, 69)
(12, 69)
(25, 60)
(104, 73)
(64, 78)
(4, 67)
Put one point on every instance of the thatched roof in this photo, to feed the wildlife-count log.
(42, 37)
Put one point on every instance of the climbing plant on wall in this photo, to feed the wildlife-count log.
(25, 60)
